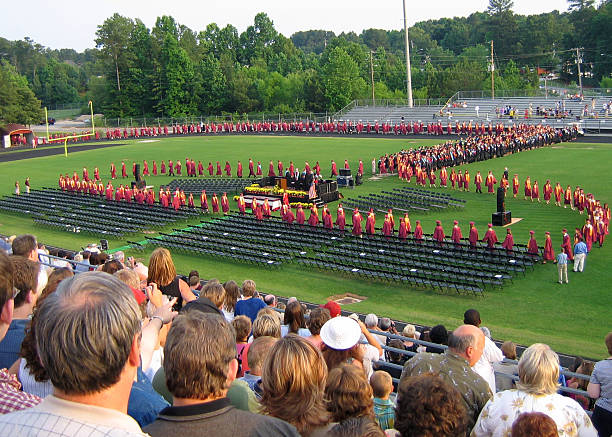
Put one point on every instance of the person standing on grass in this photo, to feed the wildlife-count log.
(580, 253)
(562, 260)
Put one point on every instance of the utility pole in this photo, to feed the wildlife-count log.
(372, 75)
(578, 62)
(492, 74)
(408, 73)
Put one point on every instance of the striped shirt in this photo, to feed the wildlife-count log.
(385, 413)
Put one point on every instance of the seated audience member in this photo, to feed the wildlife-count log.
(428, 406)
(293, 383)
(200, 405)
(31, 373)
(600, 388)
(26, 246)
(465, 346)
(534, 425)
(92, 375)
(371, 322)
(11, 396)
(194, 285)
(491, 354)
(242, 327)
(232, 295)
(112, 266)
(536, 392)
(25, 274)
(357, 427)
(210, 301)
(294, 321)
(83, 265)
(396, 357)
(410, 331)
(340, 337)
(265, 325)
(333, 308)
(250, 305)
(163, 273)
(216, 293)
(348, 393)
(318, 317)
(270, 300)
(503, 382)
(382, 387)
(439, 335)
(258, 352)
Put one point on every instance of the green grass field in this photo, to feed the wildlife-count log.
(571, 318)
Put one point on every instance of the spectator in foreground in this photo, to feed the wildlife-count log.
(357, 427)
(92, 376)
(318, 317)
(163, 273)
(250, 305)
(428, 406)
(258, 352)
(600, 388)
(232, 294)
(490, 355)
(293, 382)
(25, 273)
(534, 425)
(384, 412)
(200, 405)
(536, 392)
(348, 393)
(11, 396)
(294, 321)
(25, 245)
(465, 347)
(503, 382)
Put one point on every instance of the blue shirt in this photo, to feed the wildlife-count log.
(581, 248)
(144, 403)
(11, 344)
(249, 307)
(562, 258)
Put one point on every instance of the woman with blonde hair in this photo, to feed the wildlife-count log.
(293, 383)
(348, 393)
(536, 391)
(163, 273)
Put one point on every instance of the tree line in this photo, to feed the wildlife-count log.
(171, 70)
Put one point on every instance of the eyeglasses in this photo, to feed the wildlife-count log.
(16, 291)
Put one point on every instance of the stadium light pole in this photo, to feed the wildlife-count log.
(408, 73)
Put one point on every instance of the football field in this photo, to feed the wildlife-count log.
(572, 318)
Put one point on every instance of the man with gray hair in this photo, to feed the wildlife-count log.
(199, 371)
(88, 340)
(371, 322)
(465, 346)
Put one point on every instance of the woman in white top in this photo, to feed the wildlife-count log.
(232, 295)
(536, 391)
(294, 321)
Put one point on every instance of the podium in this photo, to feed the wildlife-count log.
(501, 217)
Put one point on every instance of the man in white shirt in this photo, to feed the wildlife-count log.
(490, 355)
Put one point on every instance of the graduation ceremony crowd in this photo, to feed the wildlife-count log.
(114, 347)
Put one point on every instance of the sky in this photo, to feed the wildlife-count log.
(73, 24)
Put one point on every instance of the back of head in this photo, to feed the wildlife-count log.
(357, 427)
(6, 280)
(381, 383)
(348, 393)
(128, 277)
(112, 266)
(259, 350)
(215, 292)
(232, 293)
(467, 341)
(194, 281)
(534, 425)
(371, 320)
(197, 365)
(396, 357)
(25, 278)
(85, 331)
(508, 348)
(55, 277)
(24, 244)
(538, 370)
(471, 317)
(427, 406)
(242, 326)
(248, 288)
(266, 325)
(318, 317)
(439, 334)
(294, 317)
(293, 379)
(161, 267)
(409, 331)
(385, 323)
(270, 299)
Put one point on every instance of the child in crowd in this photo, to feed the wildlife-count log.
(382, 387)
(242, 326)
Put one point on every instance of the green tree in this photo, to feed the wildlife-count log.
(497, 7)
(17, 101)
(212, 91)
(341, 79)
(112, 38)
(575, 5)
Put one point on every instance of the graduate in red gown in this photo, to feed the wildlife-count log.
(443, 177)
(346, 164)
(204, 201)
(170, 167)
(327, 218)
(225, 207)
(190, 202)
(145, 168)
(453, 178)
(438, 233)
(228, 169)
(567, 245)
(360, 168)
(515, 185)
(271, 173)
(215, 203)
(254, 204)
(588, 234)
(357, 219)
(528, 188)
(558, 196)
(289, 217)
(266, 210)
(456, 235)
(535, 192)
(241, 204)
(211, 169)
(280, 168)
(123, 170)
(239, 170)
(340, 218)
(109, 191)
(418, 231)
(567, 198)
(466, 181)
(388, 225)
(219, 173)
(334, 169)
(473, 237)
(200, 168)
(404, 227)
(508, 243)
(313, 220)
(259, 212)
(432, 179)
(371, 223)
(532, 244)
(600, 230)
(478, 182)
(176, 201)
(490, 237)
(491, 181)
(259, 171)
(547, 191)
(113, 170)
(251, 168)
(549, 253)
(300, 215)
(162, 167)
